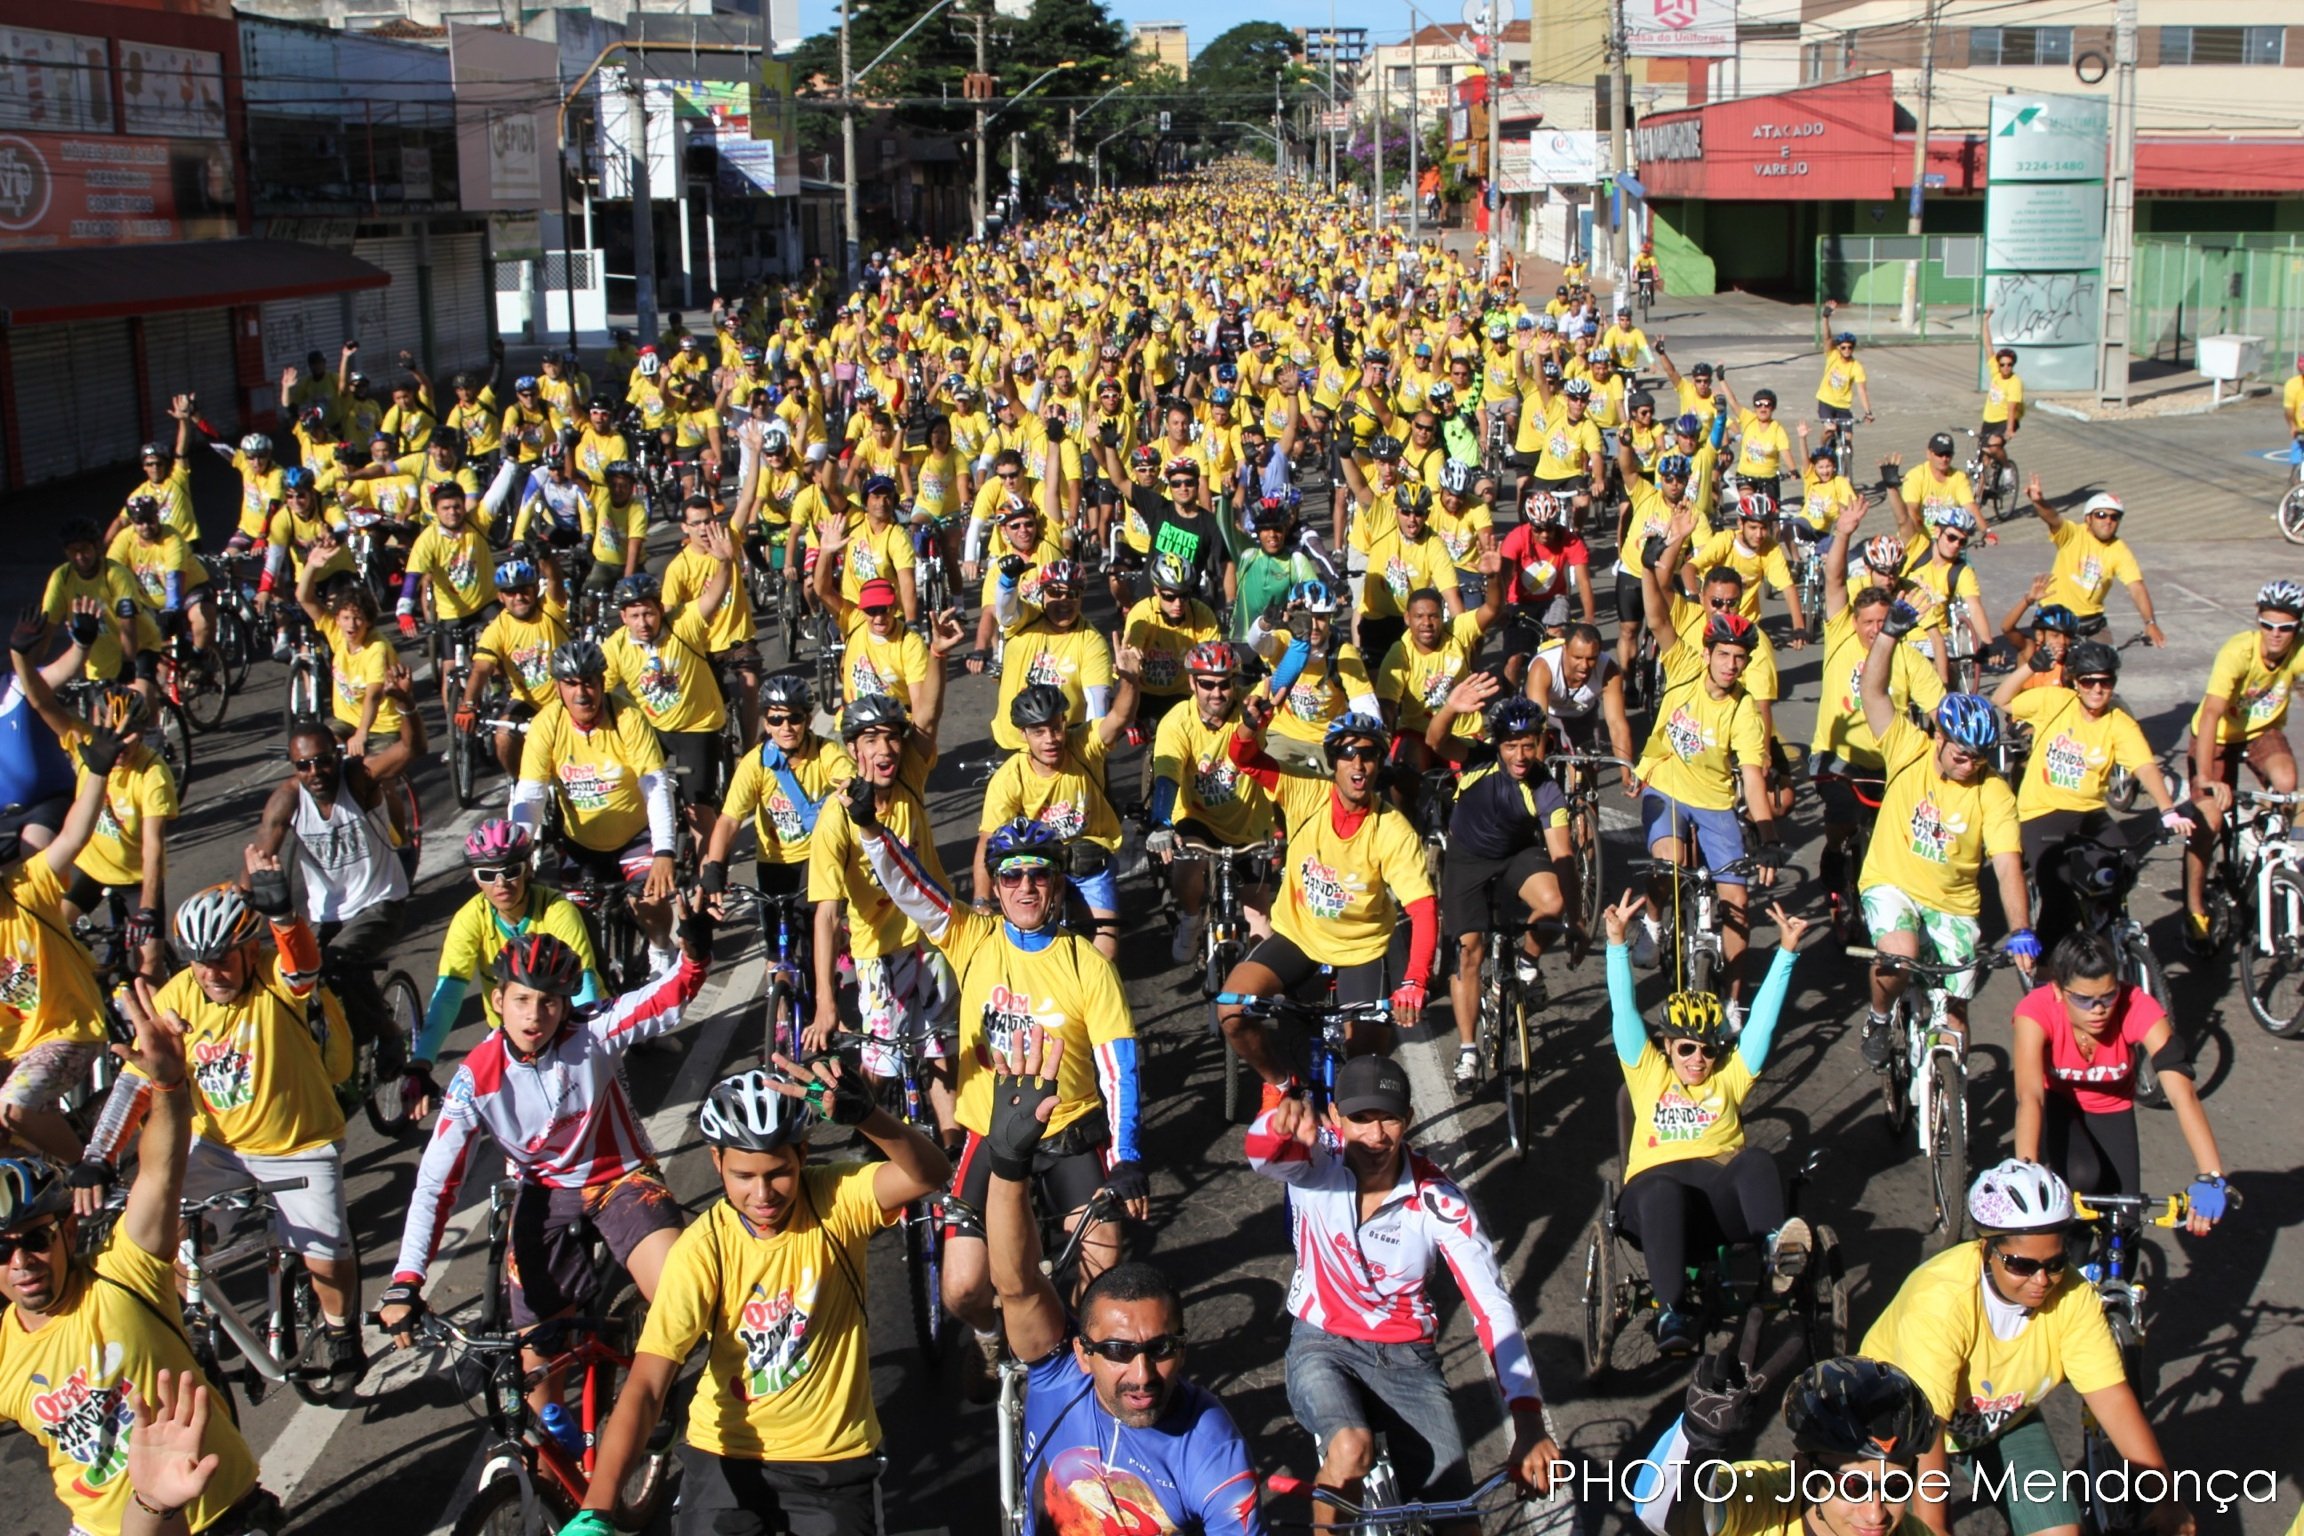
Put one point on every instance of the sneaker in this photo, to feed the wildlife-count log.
(983, 1367)
(1525, 970)
(282, 651)
(1878, 1048)
(561, 1426)
(1185, 947)
(1677, 1332)
(1788, 1254)
(347, 1358)
(1645, 941)
(1467, 1068)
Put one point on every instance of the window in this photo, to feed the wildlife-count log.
(2223, 45)
(2019, 45)
(1403, 79)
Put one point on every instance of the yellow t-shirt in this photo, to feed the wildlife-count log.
(523, 649)
(1822, 501)
(1841, 729)
(354, 673)
(937, 490)
(259, 493)
(1703, 407)
(1729, 549)
(1699, 742)
(789, 1373)
(1837, 386)
(2086, 568)
(1418, 681)
(1397, 568)
(1936, 1332)
(112, 585)
(1072, 800)
(47, 987)
(264, 1068)
(839, 871)
(1319, 695)
(892, 664)
(1564, 449)
(1460, 533)
(2000, 394)
(755, 790)
(152, 562)
(1209, 789)
(141, 786)
(1933, 836)
(1762, 447)
(1927, 493)
(1067, 989)
(477, 934)
(114, 1325)
(671, 680)
(2072, 755)
(1936, 576)
(1074, 660)
(1672, 1122)
(480, 425)
(1165, 645)
(613, 526)
(597, 772)
(874, 552)
(462, 568)
(1341, 897)
(2257, 694)
(175, 497)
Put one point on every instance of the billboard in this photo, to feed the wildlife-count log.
(503, 135)
(173, 93)
(1680, 29)
(54, 82)
(2044, 234)
(66, 190)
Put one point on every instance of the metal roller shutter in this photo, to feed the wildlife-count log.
(461, 301)
(386, 319)
(75, 393)
(191, 350)
(296, 327)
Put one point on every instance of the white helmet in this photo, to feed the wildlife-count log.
(775, 437)
(256, 445)
(650, 365)
(2019, 1197)
(746, 1113)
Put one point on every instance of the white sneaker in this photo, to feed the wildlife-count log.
(1185, 947)
(1467, 1068)
(1645, 940)
(1788, 1254)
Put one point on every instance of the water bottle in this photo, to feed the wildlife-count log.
(562, 1428)
(2092, 1272)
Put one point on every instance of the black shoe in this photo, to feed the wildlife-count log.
(1678, 1332)
(1878, 1048)
(347, 1357)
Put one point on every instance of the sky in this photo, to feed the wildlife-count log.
(1205, 19)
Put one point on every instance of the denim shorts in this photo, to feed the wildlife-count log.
(1101, 890)
(1719, 835)
(1398, 1389)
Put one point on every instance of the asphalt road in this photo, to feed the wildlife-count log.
(2225, 1324)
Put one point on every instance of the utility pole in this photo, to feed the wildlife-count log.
(643, 209)
(1415, 131)
(1495, 141)
(2119, 211)
(1279, 144)
(1376, 219)
(978, 24)
(1909, 311)
(1619, 152)
(853, 241)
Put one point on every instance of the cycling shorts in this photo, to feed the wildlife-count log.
(1299, 972)
(694, 758)
(2259, 752)
(807, 1498)
(607, 867)
(1946, 938)
(1477, 895)
(311, 1221)
(901, 993)
(1719, 835)
(545, 1265)
(45, 1073)
(1068, 1168)
(1834, 413)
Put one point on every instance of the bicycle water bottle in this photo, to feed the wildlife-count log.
(562, 1428)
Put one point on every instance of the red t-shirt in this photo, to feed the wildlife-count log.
(1535, 570)
(2105, 1083)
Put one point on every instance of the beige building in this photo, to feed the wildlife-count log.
(1166, 42)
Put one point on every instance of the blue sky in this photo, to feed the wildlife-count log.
(1207, 18)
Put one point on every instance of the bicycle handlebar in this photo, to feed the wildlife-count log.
(1413, 1516)
(246, 1192)
(2177, 1208)
(1258, 1006)
(1986, 960)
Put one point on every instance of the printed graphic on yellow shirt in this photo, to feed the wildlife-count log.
(224, 1070)
(1008, 1014)
(1687, 736)
(89, 1423)
(590, 786)
(656, 688)
(1327, 892)
(1934, 830)
(1679, 1118)
(2066, 761)
(775, 1335)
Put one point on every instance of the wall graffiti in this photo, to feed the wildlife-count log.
(2043, 309)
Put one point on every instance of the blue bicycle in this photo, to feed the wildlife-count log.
(1327, 1026)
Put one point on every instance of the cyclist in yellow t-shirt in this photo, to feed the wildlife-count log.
(1763, 451)
(517, 646)
(1944, 816)
(2090, 557)
(771, 1280)
(783, 785)
(127, 641)
(1413, 678)
(660, 659)
(369, 692)
(2242, 717)
(1844, 384)
(171, 582)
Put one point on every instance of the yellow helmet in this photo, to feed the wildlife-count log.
(1693, 1016)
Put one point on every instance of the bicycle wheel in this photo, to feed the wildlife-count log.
(204, 690)
(2274, 982)
(464, 765)
(1602, 1317)
(1824, 1299)
(310, 1381)
(235, 646)
(2290, 514)
(1235, 1072)
(643, 1487)
(386, 1108)
(1896, 1082)
(2141, 969)
(1584, 839)
(205, 1338)
(303, 691)
(502, 1508)
(924, 1276)
(1528, 1035)
(1948, 1161)
(175, 741)
(2101, 1511)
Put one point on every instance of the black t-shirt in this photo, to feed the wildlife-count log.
(1496, 815)
(1193, 538)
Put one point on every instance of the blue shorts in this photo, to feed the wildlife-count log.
(1101, 891)
(1719, 835)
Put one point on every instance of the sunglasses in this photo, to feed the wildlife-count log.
(1165, 1346)
(1360, 754)
(2110, 517)
(43, 1237)
(500, 874)
(1212, 684)
(1959, 540)
(783, 719)
(1009, 474)
(874, 610)
(2027, 1269)
(307, 764)
(1014, 875)
(2092, 1002)
(1687, 1048)
(527, 590)
(1421, 426)
(2091, 682)
(2288, 628)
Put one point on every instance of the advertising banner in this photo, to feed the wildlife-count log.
(66, 190)
(174, 93)
(2044, 235)
(1680, 29)
(503, 139)
(54, 82)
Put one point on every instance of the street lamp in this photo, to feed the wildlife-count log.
(1096, 155)
(1072, 138)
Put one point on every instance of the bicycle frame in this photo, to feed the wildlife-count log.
(198, 1262)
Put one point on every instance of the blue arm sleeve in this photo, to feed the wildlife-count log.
(593, 991)
(1760, 1023)
(439, 1014)
(1623, 1008)
(1127, 1095)
(1163, 801)
(1290, 667)
(175, 583)
(1719, 427)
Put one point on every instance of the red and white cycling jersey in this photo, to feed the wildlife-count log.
(1366, 1279)
(562, 1119)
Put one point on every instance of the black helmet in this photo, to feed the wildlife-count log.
(1852, 1406)
(579, 660)
(787, 692)
(874, 712)
(541, 962)
(2091, 658)
(639, 587)
(1040, 704)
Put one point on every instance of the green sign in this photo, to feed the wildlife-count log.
(2044, 235)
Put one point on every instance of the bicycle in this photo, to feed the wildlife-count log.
(617, 942)
(1961, 665)
(786, 930)
(1223, 945)
(1994, 480)
(1580, 785)
(309, 672)
(2100, 890)
(1800, 541)
(1926, 1081)
(232, 580)
(1644, 292)
(2260, 865)
(905, 1096)
(1694, 919)
(378, 1064)
(1512, 1003)
(1327, 1027)
(469, 751)
(193, 681)
(831, 648)
(2288, 514)
(932, 578)
(279, 1347)
(529, 1484)
(1015, 1375)
(1846, 892)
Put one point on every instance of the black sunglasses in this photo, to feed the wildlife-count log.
(1698, 1048)
(2025, 1269)
(1163, 1346)
(43, 1237)
(307, 764)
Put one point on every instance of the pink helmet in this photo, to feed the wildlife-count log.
(497, 841)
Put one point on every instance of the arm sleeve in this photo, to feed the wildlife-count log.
(1117, 1064)
(437, 1178)
(1099, 700)
(653, 1010)
(1656, 1484)
(299, 956)
(663, 815)
(1624, 1009)
(908, 884)
(1472, 1260)
(1760, 1025)
(440, 1013)
(1423, 934)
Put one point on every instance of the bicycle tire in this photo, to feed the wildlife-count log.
(924, 1279)
(175, 734)
(311, 1382)
(303, 701)
(644, 1485)
(2145, 973)
(2289, 515)
(1603, 1318)
(205, 692)
(1948, 1163)
(2274, 983)
(1895, 1086)
(1524, 1080)
(1235, 1071)
(1584, 840)
(463, 766)
(1824, 1307)
(2120, 791)
(500, 1508)
(386, 1108)
(2114, 1516)
(235, 646)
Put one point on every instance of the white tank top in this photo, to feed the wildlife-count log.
(1559, 699)
(346, 857)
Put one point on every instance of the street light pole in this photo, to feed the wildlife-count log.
(853, 239)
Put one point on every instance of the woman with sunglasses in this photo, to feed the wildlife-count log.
(2079, 1042)
(1688, 1157)
(1936, 560)
(1990, 1329)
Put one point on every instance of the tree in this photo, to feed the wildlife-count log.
(1235, 79)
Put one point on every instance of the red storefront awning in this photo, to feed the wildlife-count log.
(1828, 143)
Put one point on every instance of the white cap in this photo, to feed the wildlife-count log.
(2102, 501)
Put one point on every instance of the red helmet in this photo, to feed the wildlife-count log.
(1213, 657)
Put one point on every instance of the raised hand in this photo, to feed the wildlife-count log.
(1618, 918)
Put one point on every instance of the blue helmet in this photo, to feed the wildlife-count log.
(1968, 720)
(1673, 466)
(1312, 596)
(1352, 726)
(2057, 617)
(1689, 425)
(1023, 842)
(524, 384)
(1958, 519)
(1514, 715)
(515, 573)
(296, 478)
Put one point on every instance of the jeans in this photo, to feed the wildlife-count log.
(1337, 1383)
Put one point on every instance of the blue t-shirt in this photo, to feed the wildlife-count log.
(1087, 1474)
(33, 766)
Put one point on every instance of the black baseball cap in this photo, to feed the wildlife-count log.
(1940, 443)
(1372, 1083)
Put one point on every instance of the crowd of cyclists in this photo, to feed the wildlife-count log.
(1357, 514)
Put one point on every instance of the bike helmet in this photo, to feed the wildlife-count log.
(1578, 389)
(1213, 658)
(788, 692)
(123, 711)
(1958, 519)
(577, 661)
(1514, 715)
(622, 469)
(1169, 574)
(1731, 629)
(879, 485)
(1546, 509)
(1039, 704)
(555, 452)
(1312, 596)
(1441, 395)
(1763, 397)
(1854, 1407)
(2091, 658)
(214, 922)
(1844, 339)
(515, 573)
(2055, 617)
(639, 587)
(1824, 453)
(1673, 466)
(1884, 552)
(1498, 330)
(1022, 841)
(296, 478)
(874, 712)
(2281, 597)
(1694, 1016)
(1385, 448)
(524, 385)
(774, 438)
(541, 963)
(1688, 424)
(1271, 512)
(1146, 457)
(1968, 720)
(1351, 726)
(1220, 395)
(256, 445)
(80, 530)
(749, 355)
(748, 1113)
(1639, 398)
(1059, 573)
(167, 454)
(497, 841)
(29, 1190)
(1415, 499)
(1456, 478)
(2019, 1197)
(650, 365)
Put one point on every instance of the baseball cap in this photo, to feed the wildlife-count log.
(874, 594)
(1940, 443)
(1372, 1083)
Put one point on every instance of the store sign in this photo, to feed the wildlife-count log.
(1683, 140)
(175, 93)
(54, 82)
(2044, 235)
(1563, 157)
(503, 142)
(64, 190)
(747, 168)
(1833, 143)
(1655, 29)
